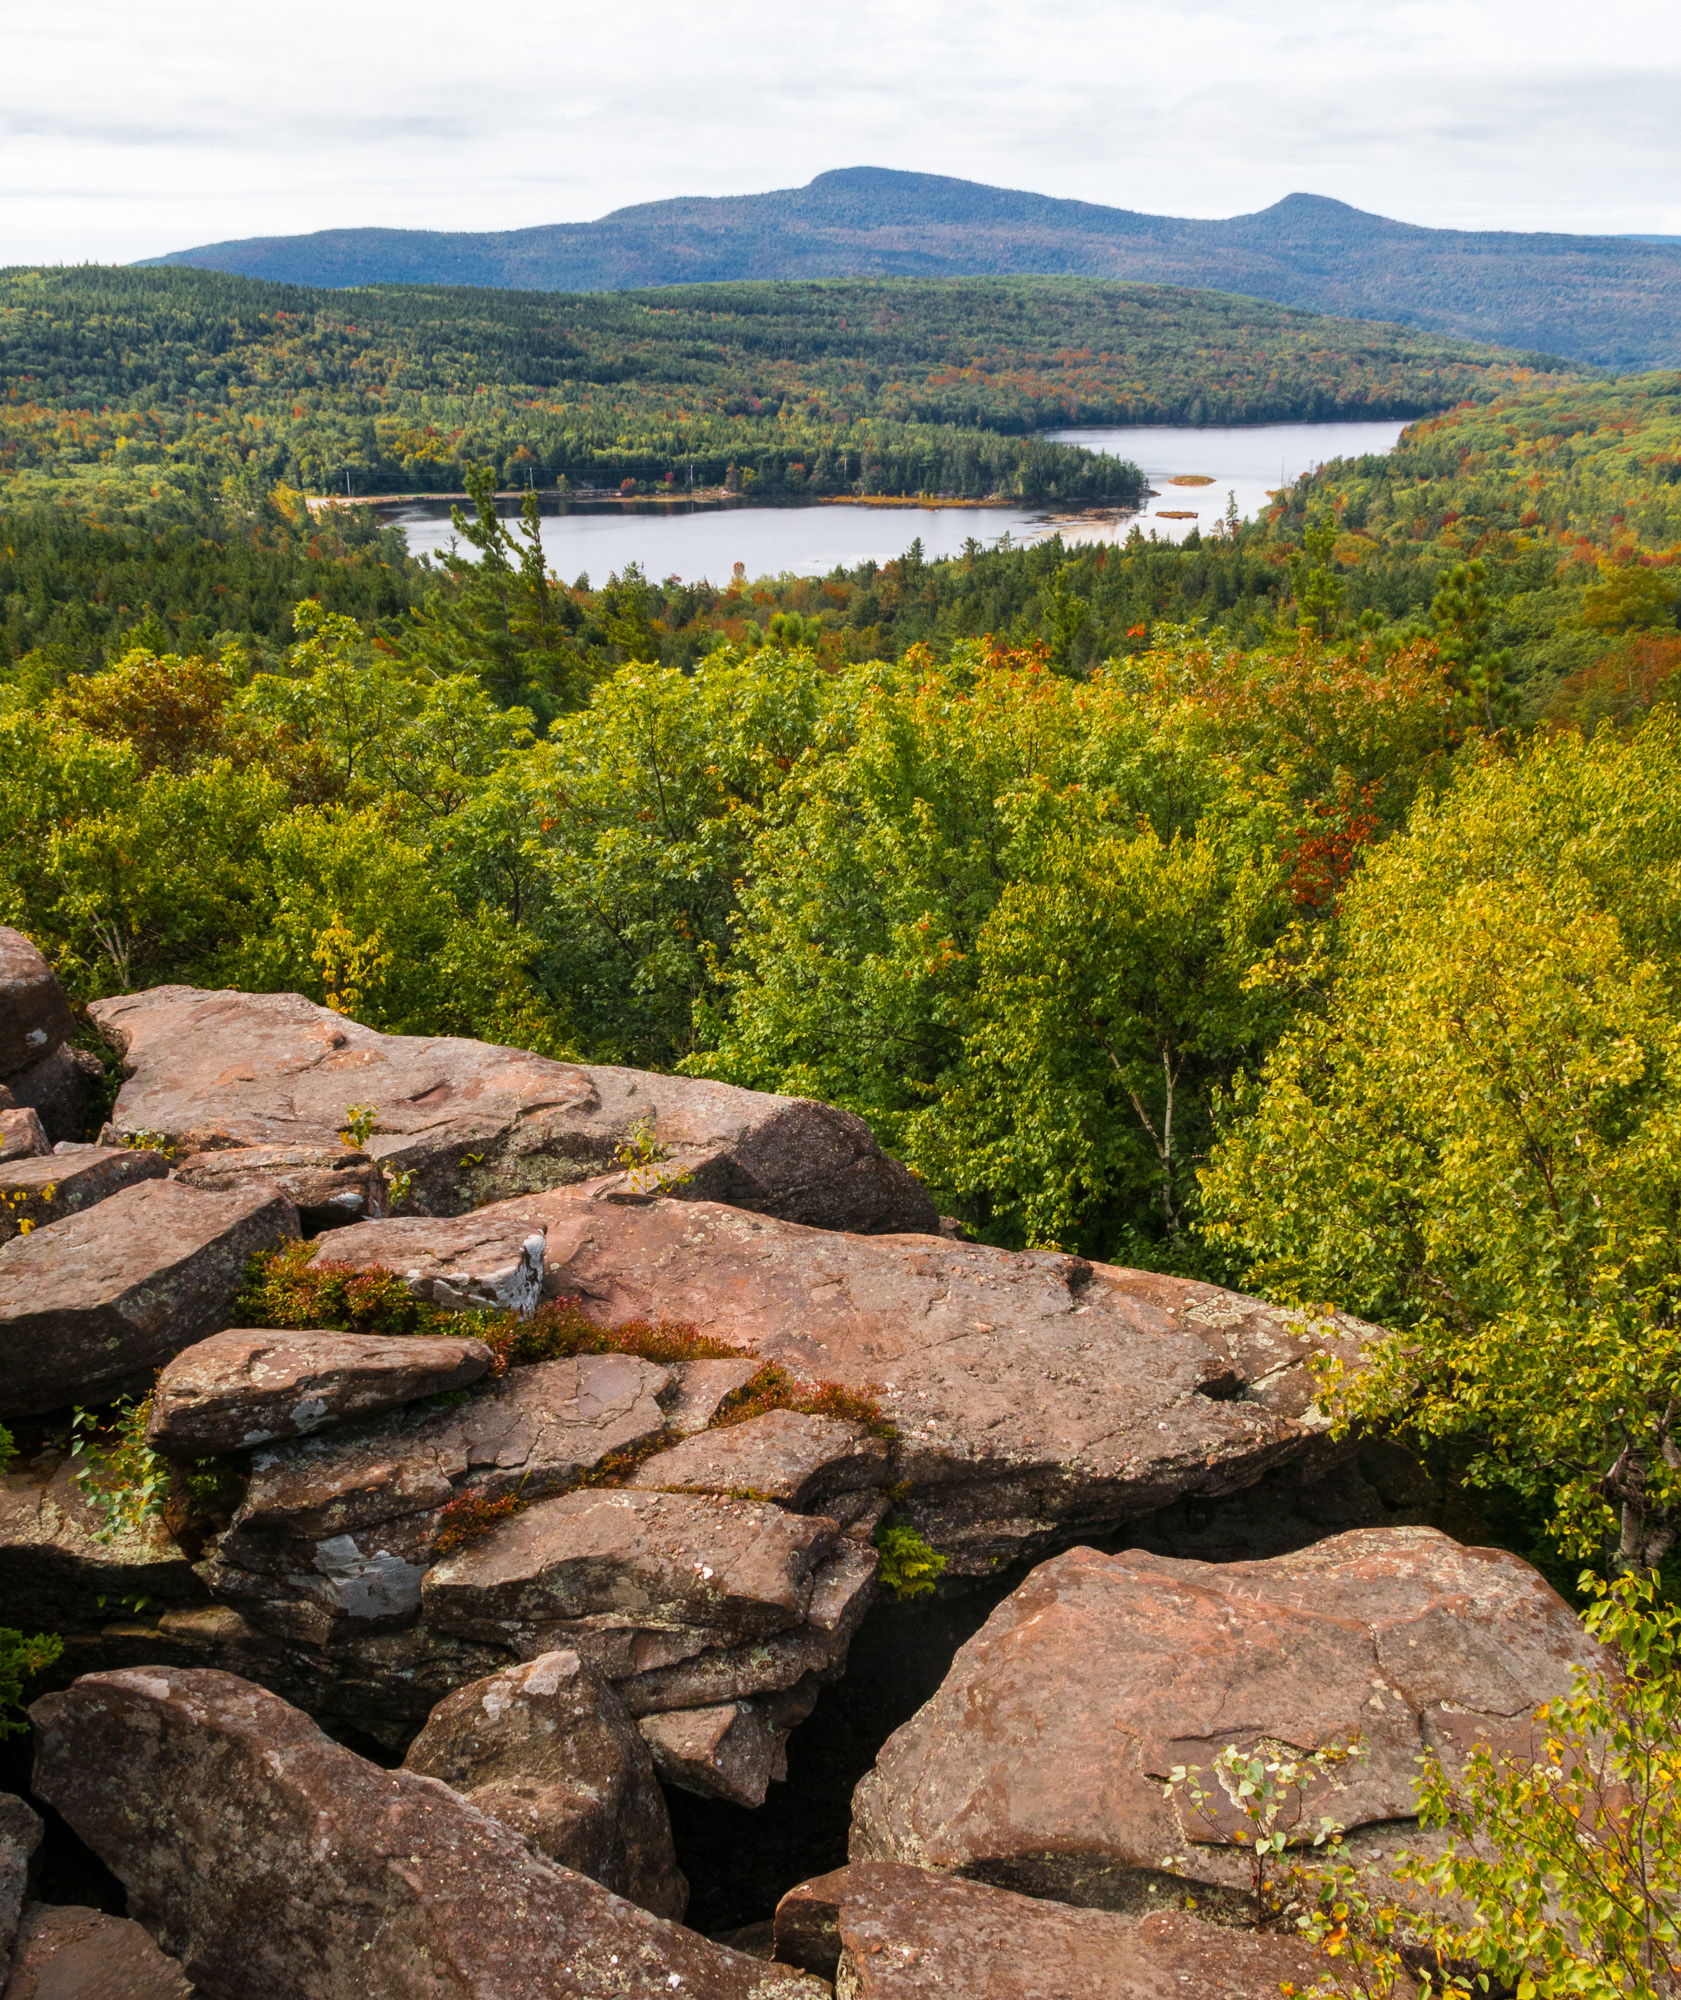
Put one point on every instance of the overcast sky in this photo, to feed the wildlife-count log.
(126, 131)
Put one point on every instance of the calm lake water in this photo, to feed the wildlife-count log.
(707, 542)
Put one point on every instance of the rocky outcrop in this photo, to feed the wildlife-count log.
(330, 1186)
(471, 1123)
(893, 1933)
(336, 1531)
(471, 1263)
(65, 1952)
(804, 1463)
(90, 1306)
(1038, 1397)
(22, 1137)
(34, 1014)
(735, 1751)
(1397, 1638)
(547, 1749)
(271, 1860)
(54, 1185)
(20, 1841)
(681, 1600)
(241, 1389)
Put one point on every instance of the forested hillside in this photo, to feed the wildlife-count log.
(1606, 299)
(117, 381)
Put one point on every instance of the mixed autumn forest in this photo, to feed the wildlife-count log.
(1297, 907)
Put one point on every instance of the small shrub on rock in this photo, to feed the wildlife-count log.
(773, 1388)
(909, 1566)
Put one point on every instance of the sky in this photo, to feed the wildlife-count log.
(126, 132)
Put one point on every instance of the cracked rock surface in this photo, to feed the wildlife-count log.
(90, 1306)
(1038, 1397)
(245, 1388)
(293, 1866)
(1040, 1764)
(472, 1122)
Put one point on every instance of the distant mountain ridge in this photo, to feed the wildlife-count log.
(1614, 301)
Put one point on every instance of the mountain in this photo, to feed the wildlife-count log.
(1614, 301)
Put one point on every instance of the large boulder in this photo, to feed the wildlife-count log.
(805, 1463)
(65, 1952)
(894, 1933)
(547, 1748)
(336, 1530)
(34, 1014)
(245, 1388)
(330, 1186)
(67, 1089)
(471, 1122)
(469, 1263)
(271, 1860)
(51, 1186)
(92, 1305)
(1038, 1397)
(1041, 1763)
(658, 1591)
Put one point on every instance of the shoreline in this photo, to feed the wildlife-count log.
(716, 499)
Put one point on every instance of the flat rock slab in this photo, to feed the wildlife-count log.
(330, 1186)
(339, 1528)
(90, 1306)
(797, 1461)
(703, 1387)
(465, 1264)
(50, 1186)
(632, 1569)
(58, 1558)
(1102, 1673)
(34, 1013)
(243, 1388)
(273, 1861)
(896, 1933)
(1038, 1397)
(22, 1135)
(547, 1748)
(472, 1122)
(65, 1952)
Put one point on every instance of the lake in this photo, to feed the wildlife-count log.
(705, 543)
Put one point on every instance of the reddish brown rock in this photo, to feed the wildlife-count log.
(1038, 1397)
(632, 1580)
(245, 1388)
(472, 1122)
(22, 1137)
(66, 1089)
(733, 1752)
(799, 1462)
(1102, 1673)
(34, 1014)
(54, 1185)
(68, 1953)
(894, 1933)
(272, 1861)
(702, 1388)
(330, 1186)
(338, 1529)
(547, 1749)
(470, 1263)
(90, 1306)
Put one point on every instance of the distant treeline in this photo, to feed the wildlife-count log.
(126, 382)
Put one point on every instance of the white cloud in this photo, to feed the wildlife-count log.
(124, 133)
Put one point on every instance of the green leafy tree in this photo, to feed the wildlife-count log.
(1478, 1142)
